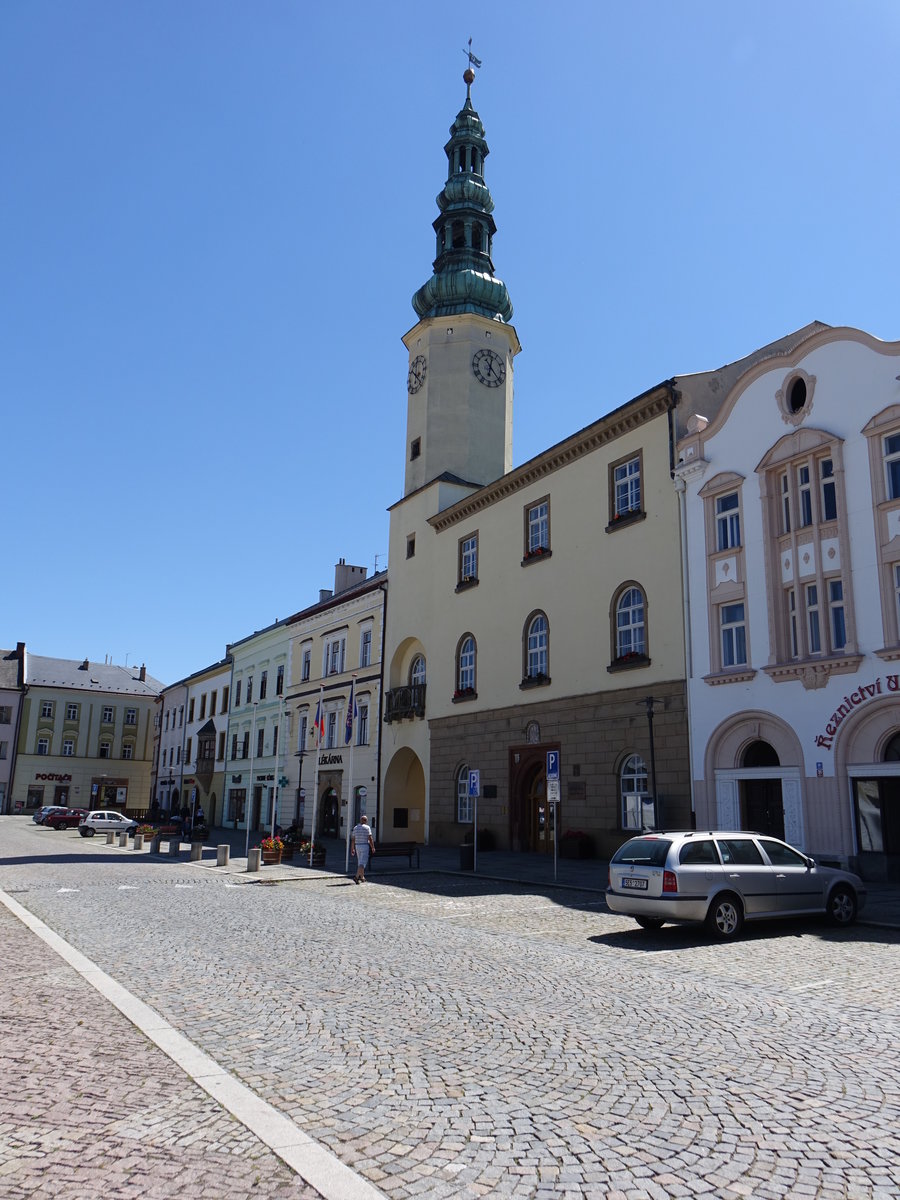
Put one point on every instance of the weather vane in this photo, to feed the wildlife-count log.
(469, 74)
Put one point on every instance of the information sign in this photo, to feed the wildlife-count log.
(474, 783)
(553, 765)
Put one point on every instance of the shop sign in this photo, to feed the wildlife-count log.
(55, 778)
(864, 693)
(331, 760)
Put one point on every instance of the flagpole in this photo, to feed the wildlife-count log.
(320, 717)
(349, 730)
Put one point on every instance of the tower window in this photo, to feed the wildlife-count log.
(415, 448)
(411, 546)
(458, 235)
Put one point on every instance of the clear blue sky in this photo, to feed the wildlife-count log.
(214, 215)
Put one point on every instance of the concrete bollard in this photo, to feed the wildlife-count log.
(196, 851)
(155, 843)
(253, 859)
(123, 841)
(110, 837)
(223, 854)
(138, 841)
(174, 847)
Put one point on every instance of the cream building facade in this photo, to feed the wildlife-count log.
(193, 752)
(532, 610)
(85, 736)
(12, 687)
(336, 646)
(789, 465)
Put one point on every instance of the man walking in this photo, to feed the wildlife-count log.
(362, 846)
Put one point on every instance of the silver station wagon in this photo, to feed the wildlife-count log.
(724, 879)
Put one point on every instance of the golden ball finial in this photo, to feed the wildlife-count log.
(468, 76)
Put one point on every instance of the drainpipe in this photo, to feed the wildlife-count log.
(380, 713)
(681, 490)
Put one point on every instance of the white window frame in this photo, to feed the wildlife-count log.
(465, 667)
(43, 747)
(334, 658)
(728, 521)
(890, 445)
(539, 526)
(305, 663)
(71, 712)
(630, 631)
(631, 797)
(417, 671)
(468, 559)
(464, 806)
(537, 647)
(47, 710)
(365, 646)
(68, 748)
(627, 487)
(128, 751)
(362, 723)
(330, 730)
(733, 634)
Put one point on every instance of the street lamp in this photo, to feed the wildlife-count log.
(249, 807)
(649, 702)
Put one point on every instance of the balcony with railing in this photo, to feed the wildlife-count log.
(404, 703)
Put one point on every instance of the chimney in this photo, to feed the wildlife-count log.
(20, 655)
(325, 594)
(143, 673)
(345, 577)
(85, 666)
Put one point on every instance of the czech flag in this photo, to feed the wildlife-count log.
(318, 729)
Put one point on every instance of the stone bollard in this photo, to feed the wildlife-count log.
(253, 859)
(138, 841)
(123, 841)
(174, 847)
(196, 851)
(223, 854)
(155, 843)
(110, 837)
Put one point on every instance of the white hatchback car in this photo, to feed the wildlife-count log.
(104, 822)
(723, 879)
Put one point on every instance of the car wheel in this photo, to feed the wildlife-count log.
(88, 831)
(841, 908)
(84, 832)
(725, 917)
(650, 922)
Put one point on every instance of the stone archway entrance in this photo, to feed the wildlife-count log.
(331, 814)
(533, 822)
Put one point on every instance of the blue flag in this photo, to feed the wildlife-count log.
(352, 714)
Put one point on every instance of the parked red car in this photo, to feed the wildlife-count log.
(69, 818)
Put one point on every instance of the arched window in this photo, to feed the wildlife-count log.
(630, 639)
(477, 236)
(537, 647)
(458, 235)
(417, 671)
(759, 754)
(634, 791)
(463, 800)
(892, 749)
(465, 666)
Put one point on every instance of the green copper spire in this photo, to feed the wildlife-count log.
(463, 279)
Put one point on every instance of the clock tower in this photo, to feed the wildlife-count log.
(461, 351)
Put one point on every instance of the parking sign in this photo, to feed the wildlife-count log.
(553, 765)
(474, 783)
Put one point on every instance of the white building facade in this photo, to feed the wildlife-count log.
(789, 471)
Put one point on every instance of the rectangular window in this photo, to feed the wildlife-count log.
(263, 684)
(225, 699)
(127, 751)
(203, 706)
(415, 449)
(301, 734)
(362, 725)
(892, 465)
(274, 739)
(627, 488)
(331, 731)
(411, 546)
(221, 752)
(792, 621)
(785, 503)
(71, 712)
(537, 528)
(212, 703)
(734, 635)
(260, 733)
(249, 689)
(804, 495)
(108, 715)
(836, 605)
(246, 746)
(178, 755)
(812, 619)
(401, 818)
(334, 655)
(5, 714)
(43, 746)
(180, 715)
(279, 681)
(827, 489)
(468, 559)
(167, 722)
(190, 710)
(47, 710)
(234, 745)
(4, 746)
(728, 522)
(365, 648)
(187, 753)
(237, 694)
(68, 748)
(104, 750)
(307, 664)
(131, 716)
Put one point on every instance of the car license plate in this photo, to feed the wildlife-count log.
(635, 883)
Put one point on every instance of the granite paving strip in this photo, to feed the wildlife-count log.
(88, 1106)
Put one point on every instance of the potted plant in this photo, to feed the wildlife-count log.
(575, 843)
(318, 853)
(271, 848)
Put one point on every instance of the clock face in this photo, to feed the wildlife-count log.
(416, 376)
(489, 368)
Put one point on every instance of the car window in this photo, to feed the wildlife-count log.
(780, 855)
(739, 850)
(698, 852)
(645, 852)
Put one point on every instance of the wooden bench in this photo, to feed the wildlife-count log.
(395, 850)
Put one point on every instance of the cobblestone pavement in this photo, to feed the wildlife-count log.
(452, 1037)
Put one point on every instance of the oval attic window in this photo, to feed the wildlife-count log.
(797, 395)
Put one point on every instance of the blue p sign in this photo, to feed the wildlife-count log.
(553, 764)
